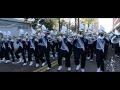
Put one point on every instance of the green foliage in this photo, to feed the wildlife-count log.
(88, 20)
(50, 23)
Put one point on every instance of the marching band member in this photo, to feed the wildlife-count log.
(79, 49)
(11, 49)
(90, 46)
(31, 49)
(112, 34)
(44, 49)
(1, 46)
(64, 51)
(100, 51)
(116, 42)
(21, 49)
(51, 39)
(56, 44)
(36, 51)
(6, 49)
(106, 45)
(26, 37)
(40, 44)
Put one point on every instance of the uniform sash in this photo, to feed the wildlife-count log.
(80, 44)
(64, 46)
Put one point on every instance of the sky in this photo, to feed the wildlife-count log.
(107, 23)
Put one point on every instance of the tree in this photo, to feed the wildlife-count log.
(88, 21)
(33, 23)
(75, 24)
(26, 19)
(50, 23)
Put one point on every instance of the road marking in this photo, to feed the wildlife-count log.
(41, 68)
(46, 68)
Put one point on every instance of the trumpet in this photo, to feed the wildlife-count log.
(50, 40)
(115, 39)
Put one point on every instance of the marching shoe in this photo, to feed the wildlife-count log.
(27, 59)
(78, 67)
(69, 68)
(82, 70)
(88, 57)
(22, 60)
(7, 61)
(31, 63)
(48, 68)
(18, 62)
(59, 68)
(13, 62)
(98, 70)
(56, 55)
(37, 65)
(51, 56)
(43, 64)
(3, 60)
(63, 59)
(91, 60)
(116, 56)
(24, 64)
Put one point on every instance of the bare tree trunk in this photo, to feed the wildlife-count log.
(69, 23)
(59, 24)
(88, 27)
(78, 24)
(75, 25)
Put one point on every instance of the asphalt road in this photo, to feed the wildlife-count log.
(90, 66)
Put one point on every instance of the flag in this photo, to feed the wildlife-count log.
(33, 31)
(64, 30)
(5, 33)
(101, 29)
(8, 33)
(43, 27)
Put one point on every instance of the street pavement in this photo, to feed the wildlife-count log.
(90, 66)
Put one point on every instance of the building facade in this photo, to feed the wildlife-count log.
(116, 23)
(14, 25)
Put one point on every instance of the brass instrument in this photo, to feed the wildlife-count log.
(60, 36)
(115, 39)
(50, 40)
